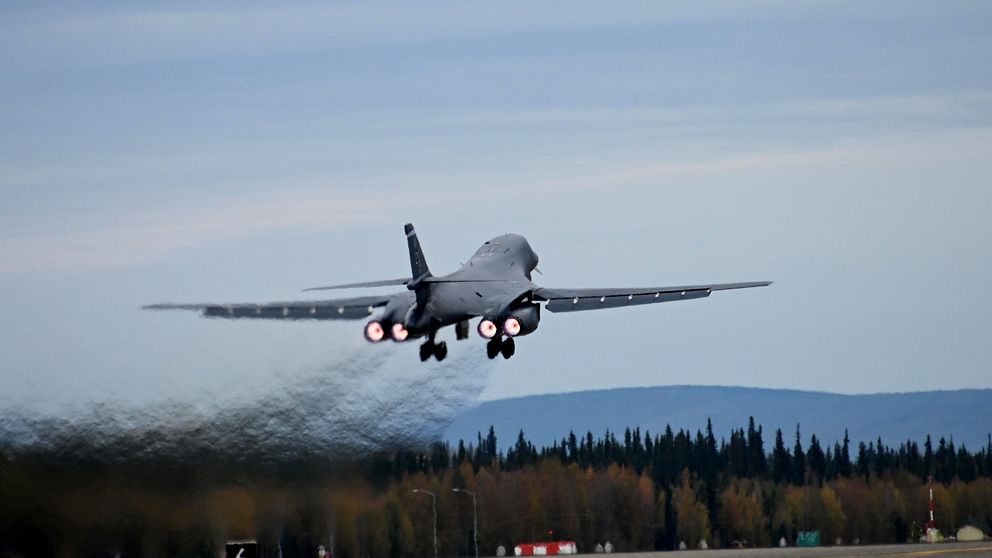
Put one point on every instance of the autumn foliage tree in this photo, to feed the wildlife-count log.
(637, 490)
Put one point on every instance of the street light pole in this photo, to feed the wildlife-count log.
(434, 510)
(475, 518)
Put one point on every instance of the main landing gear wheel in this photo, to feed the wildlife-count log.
(492, 348)
(497, 346)
(437, 350)
(509, 347)
(440, 351)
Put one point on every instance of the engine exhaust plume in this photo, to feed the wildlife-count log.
(374, 332)
(488, 328)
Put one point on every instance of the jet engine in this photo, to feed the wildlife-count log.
(488, 328)
(399, 333)
(522, 320)
(390, 325)
(374, 332)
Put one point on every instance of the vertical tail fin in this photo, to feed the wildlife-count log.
(418, 267)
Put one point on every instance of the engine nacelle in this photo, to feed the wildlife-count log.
(488, 328)
(399, 333)
(390, 325)
(522, 320)
(374, 332)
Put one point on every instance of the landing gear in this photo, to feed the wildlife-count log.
(509, 347)
(440, 351)
(461, 330)
(496, 346)
(493, 347)
(429, 348)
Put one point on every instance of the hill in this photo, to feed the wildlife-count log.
(964, 415)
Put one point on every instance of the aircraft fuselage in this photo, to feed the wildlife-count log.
(491, 283)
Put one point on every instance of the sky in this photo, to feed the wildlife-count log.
(240, 152)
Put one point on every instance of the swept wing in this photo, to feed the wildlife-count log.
(336, 309)
(574, 300)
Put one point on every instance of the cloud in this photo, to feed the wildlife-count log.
(399, 175)
(205, 32)
(139, 237)
(149, 35)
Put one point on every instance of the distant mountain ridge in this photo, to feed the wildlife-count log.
(964, 415)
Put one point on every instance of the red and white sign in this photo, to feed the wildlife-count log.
(545, 548)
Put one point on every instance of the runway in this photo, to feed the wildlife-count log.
(954, 550)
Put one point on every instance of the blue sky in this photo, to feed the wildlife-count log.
(233, 152)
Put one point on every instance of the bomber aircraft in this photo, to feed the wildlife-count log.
(494, 284)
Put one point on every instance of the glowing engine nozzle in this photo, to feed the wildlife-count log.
(512, 327)
(400, 333)
(487, 329)
(374, 332)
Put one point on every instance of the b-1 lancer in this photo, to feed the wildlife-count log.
(494, 284)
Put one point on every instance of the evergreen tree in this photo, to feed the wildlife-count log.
(910, 458)
(833, 462)
(798, 468)
(881, 462)
(817, 460)
(831, 468)
(965, 465)
(987, 470)
(477, 455)
(680, 451)
(737, 455)
(573, 447)
(952, 460)
(710, 461)
(636, 456)
(844, 466)
(781, 460)
(757, 464)
(940, 463)
(521, 454)
(863, 460)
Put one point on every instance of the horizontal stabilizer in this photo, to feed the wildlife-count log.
(446, 280)
(394, 282)
(383, 283)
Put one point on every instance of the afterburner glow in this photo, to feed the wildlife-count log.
(488, 329)
(374, 332)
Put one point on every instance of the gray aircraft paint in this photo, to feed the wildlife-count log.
(494, 284)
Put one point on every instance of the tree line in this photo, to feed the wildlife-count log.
(736, 490)
(637, 490)
(664, 456)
